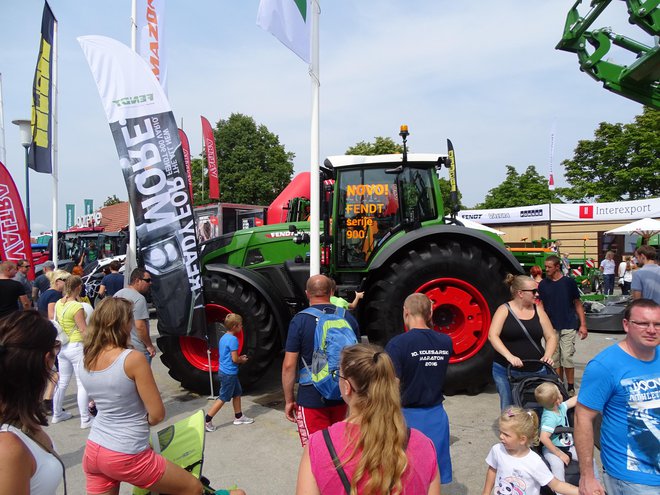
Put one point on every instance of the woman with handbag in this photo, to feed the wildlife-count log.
(27, 353)
(516, 331)
(70, 315)
(371, 451)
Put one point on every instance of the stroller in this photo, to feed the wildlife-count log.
(523, 384)
(183, 444)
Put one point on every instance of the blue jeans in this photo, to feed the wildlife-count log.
(608, 284)
(615, 486)
(502, 383)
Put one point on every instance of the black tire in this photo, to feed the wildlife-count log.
(443, 269)
(260, 336)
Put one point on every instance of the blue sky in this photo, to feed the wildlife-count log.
(484, 74)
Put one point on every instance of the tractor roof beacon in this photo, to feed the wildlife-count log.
(383, 232)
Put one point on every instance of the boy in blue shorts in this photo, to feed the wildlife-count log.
(230, 387)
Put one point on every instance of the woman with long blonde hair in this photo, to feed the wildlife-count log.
(71, 317)
(374, 451)
(128, 403)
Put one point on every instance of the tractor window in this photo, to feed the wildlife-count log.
(418, 203)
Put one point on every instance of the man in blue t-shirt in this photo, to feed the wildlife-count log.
(421, 357)
(646, 281)
(113, 282)
(311, 411)
(561, 300)
(623, 383)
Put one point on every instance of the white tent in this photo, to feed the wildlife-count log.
(646, 227)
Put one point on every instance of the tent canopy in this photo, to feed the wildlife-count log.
(646, 227)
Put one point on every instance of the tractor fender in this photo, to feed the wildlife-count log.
(263, 287)
(455, 233)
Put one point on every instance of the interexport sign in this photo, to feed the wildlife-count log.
(621, 210)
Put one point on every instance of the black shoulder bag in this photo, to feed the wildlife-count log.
(524, 329)
(337, 462)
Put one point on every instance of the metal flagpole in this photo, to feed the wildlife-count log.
(54, 148)
(315, 176)
(131, 255)
(3, 150)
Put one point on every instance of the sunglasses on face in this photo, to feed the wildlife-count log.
(535, 291)
(147, 280)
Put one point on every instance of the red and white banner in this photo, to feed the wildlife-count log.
(620, 210)
(14, 234)
(211, 159)
(150, 29)
(147, 141)
(185, 147)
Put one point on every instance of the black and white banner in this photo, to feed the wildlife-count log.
(147, 140)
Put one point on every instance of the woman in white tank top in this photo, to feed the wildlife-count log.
(27, 355)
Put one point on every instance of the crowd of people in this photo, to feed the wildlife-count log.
(382, 430)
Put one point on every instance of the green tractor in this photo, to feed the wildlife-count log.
(383, 232)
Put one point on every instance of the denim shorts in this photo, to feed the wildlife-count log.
(230, 387)
(615, 486)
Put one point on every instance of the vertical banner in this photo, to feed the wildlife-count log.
(150, 30)
(40, 157)
(14, 234)
(70, 216)
(89, 206)
(147, 140)
(185, 147)
(211, 159)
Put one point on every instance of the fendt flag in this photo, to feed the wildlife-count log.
(289, 22)
(211, 159)
(14, 235)
(40, 156)
(147, 140)
(150, 34)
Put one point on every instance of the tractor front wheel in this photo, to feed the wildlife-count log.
(465, 285)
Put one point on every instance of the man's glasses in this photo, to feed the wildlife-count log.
(24, 266)
(147, 280)
(646, 324)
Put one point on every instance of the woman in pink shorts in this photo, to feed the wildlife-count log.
(128, 402)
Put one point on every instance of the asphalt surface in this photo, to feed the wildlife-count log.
(263, 457)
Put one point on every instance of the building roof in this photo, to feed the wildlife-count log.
(115, 217)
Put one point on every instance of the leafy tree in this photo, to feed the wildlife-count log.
(386, 146)
(380, 146)
(620, 163)
(112, 200)
(253, 167)
(528, 188)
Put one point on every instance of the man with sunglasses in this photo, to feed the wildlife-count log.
(139, 285)
(623, 384)
(12, 293)
(23, 267)
(560, 297)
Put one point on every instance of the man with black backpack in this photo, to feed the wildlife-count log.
(314, 342)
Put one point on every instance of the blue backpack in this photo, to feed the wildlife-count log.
(331, 335)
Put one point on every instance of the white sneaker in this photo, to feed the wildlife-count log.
(63, 416)
(86, 424)
(209, 427)
(243, 420)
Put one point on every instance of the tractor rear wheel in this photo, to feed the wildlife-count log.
(465, 284)
(186, 357)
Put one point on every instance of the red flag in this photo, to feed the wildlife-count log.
(185, 147)
(14, 234)
(211, 159)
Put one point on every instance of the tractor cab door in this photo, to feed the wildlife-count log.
(369, 207)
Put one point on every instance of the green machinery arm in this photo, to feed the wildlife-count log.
(639, 81)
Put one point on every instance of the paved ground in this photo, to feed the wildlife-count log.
(263, 457)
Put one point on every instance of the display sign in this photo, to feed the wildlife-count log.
(522, 214)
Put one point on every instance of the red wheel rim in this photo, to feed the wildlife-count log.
(460, 311)
(194, 349)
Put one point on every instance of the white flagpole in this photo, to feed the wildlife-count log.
(131, 255)
(315, 207)
(3, 151)
(54, 147)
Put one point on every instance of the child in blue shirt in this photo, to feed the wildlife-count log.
(230, 387)
(556, 448)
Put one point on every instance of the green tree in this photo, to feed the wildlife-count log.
(620, 163)
(253, 167)
(380, 146)
(528, 188)
(111, 200)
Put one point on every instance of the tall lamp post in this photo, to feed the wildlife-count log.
(25, 129)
